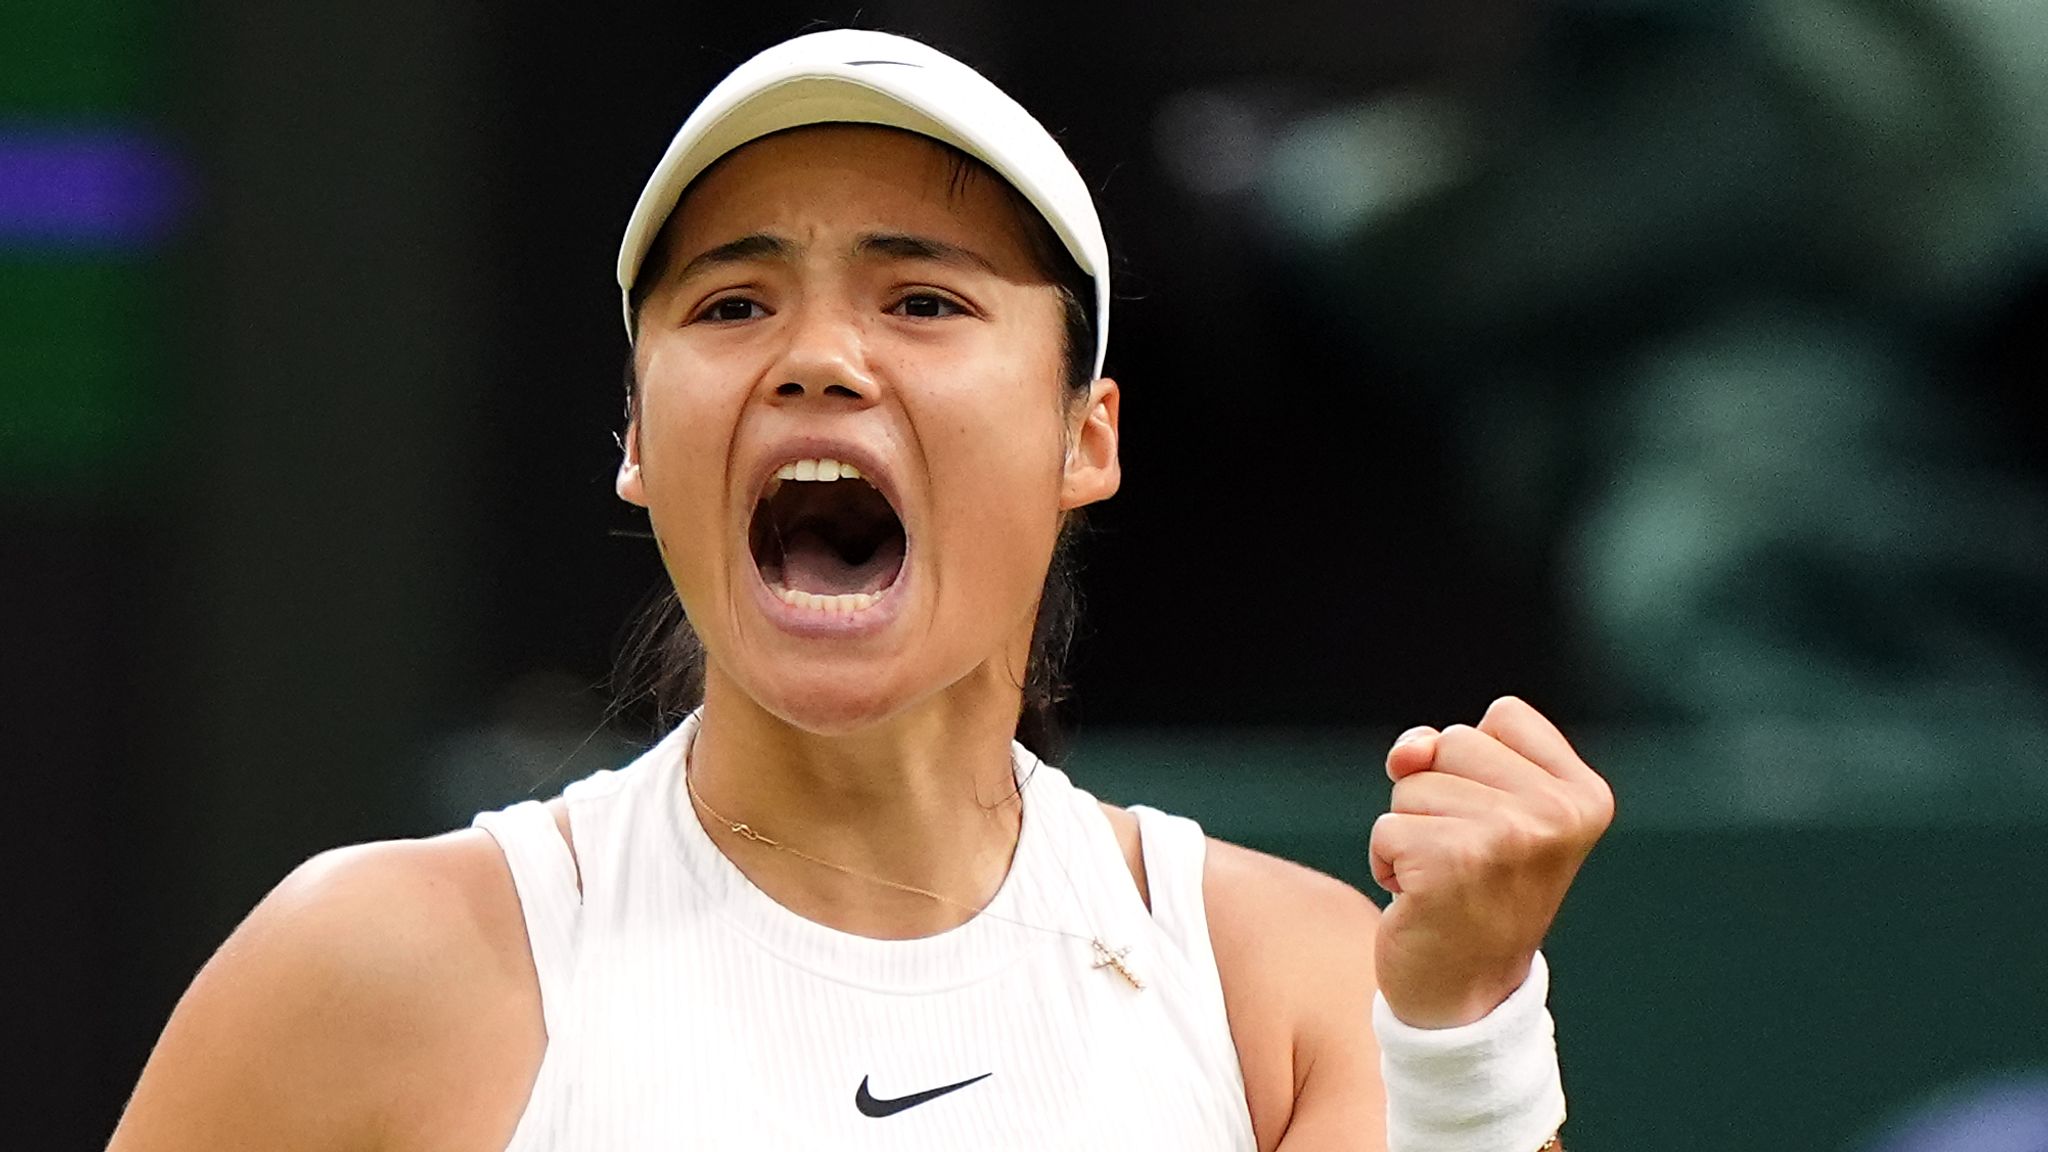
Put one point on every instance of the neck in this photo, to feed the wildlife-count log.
(925, 799)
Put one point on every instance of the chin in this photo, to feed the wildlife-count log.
(831, 702)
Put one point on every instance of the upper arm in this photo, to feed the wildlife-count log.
(1295, 950)
(348, 994)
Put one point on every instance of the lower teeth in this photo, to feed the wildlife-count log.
(841, 604)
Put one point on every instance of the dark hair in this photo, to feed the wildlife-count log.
(662, 662)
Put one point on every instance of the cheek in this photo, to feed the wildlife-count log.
(997, 474)
(685, 431)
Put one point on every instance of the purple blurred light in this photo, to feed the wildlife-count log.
(106, 188)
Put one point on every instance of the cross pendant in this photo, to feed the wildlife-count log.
(1106, 957)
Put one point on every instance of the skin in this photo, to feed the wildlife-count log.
(383, 996)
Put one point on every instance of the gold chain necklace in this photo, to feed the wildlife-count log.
(1105, 956)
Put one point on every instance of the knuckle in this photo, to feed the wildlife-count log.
(1603, 794)
(1381, 828)
(1476, 856)
(1542, 802)
(1458, 740)
(1561, 809)
(1541, 834)
(1524, 836)
(1411, 793)
(1594, 805)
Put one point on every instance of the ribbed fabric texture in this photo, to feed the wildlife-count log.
(685, 1009)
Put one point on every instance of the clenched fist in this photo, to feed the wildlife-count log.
(1487, 828)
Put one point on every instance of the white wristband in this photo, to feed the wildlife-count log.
(1488, 1086)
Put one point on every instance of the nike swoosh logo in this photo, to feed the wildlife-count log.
(870, 1106)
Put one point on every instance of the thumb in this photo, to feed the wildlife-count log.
(1413, 751)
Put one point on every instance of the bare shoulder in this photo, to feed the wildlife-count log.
(1295, 951)
(1258, 900)
(371, 1000)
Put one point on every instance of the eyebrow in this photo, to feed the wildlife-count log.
(753, 246)
(903, 246)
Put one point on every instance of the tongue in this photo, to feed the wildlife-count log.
(813, 565)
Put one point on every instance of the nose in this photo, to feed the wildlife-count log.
(825, 358)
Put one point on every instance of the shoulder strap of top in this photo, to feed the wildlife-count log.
(1175, 851)
(544, 874)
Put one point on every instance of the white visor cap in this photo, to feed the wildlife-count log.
(847, 76)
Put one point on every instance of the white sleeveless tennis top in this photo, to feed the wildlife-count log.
(685, 1009)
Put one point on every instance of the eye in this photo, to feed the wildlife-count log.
(928, 306)
(733, 308)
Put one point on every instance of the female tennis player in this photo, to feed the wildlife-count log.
(841, 905)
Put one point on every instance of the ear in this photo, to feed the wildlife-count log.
(1092, 470)
(629, 485)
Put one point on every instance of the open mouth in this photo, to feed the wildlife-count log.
(824, 538)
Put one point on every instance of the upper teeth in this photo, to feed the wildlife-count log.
(817, 470)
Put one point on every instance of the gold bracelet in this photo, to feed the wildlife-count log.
(1548, 1145)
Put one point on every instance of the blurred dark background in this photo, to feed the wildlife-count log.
(1677, 367)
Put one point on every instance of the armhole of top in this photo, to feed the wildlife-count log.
(1175, 853)
(544, 874)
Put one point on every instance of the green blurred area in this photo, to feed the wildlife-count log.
(1735, 314)
(77, 60)
(81, 389)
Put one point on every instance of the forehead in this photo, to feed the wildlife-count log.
(834, 178)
